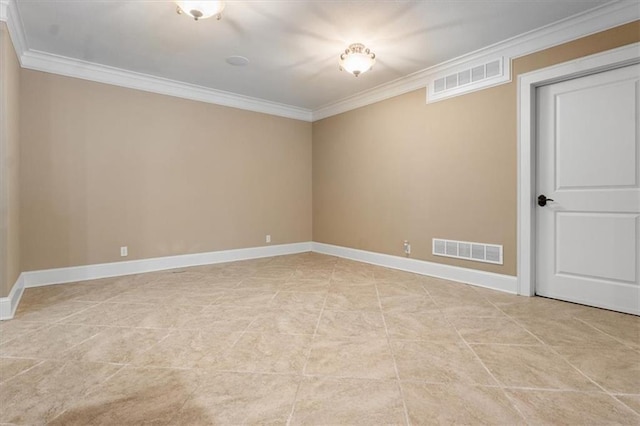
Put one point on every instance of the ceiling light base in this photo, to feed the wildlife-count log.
(357, 59)
(200, 9)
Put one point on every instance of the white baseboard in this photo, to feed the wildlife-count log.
(116, 269)
(506, 283)
(30, 279)
(9, 304)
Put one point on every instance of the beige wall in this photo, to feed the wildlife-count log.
(105, 167)
(9, 167)
(401, 169)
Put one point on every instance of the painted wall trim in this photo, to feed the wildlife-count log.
(527, 84)
(505, 283)
(610, 15)
(50, 63)
(9, 304)
(46, 277)
(4, 10)
(116, 269)
(10, 15)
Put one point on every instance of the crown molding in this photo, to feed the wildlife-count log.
(4, 10)
(47, 62)
(613, 14)
(10, 15)
(607, 16)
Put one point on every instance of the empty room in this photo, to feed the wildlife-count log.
(321, 212)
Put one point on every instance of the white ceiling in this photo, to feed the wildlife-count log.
(292, 46)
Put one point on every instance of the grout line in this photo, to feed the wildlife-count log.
(306, 361)
(40, 362)
(513, 404)
(302, 374)
(393, 357)
(523, 325)
(92, 388)
(625, 344)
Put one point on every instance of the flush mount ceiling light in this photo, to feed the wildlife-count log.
(357, 59)
(201, 9)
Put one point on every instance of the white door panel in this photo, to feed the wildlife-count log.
(586, 118)
(588, 162)
(606, 244)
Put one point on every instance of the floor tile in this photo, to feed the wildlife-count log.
(351, 357)
(624, 327)
(107, 314)
(541, 307)
(531, 367)
(47, 296)
(458, 404)
(187, 349)
(439, 362)
(351, 324)
(132, 396)
(457, 307)
(631, 401)
(572, 408)
(10, 330)
(493, 330)
(219, 317)
(11, 367)
(236, 342)
(312, 274)
(50, 342)
(566, 332)
(616, 368)
(395, 275)
(116, 345)
(420, 326)
(50, 312)
(245, 297)
(234, 398)
(400, 288)
(261, 284)
(349, 298)
(306, 285)
(46, 390)
(345, 277)
(445, 288)
(100, 290)
(298, 299)
(348, 401)
(266, 353)
(286, 320)
(408, 304)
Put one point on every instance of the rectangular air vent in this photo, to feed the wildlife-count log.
(468, 78)
(489, 253)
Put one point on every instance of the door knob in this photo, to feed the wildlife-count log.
(542, 200)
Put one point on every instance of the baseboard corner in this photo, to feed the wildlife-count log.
(490, 280)
(9, 304)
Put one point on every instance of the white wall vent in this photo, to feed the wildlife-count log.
(489, 253)
(468, 78)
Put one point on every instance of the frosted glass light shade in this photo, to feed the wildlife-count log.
(357, 59)
(201, 9)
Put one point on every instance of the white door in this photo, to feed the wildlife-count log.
(588, 163)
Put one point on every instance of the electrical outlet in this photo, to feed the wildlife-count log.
(407, 247)
(267, 239)
(124, 251)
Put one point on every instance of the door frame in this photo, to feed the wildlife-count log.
(527, 142)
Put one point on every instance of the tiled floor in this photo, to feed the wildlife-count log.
(311, 339)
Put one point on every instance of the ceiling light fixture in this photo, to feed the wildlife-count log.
(201, 9)
(357, 59)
